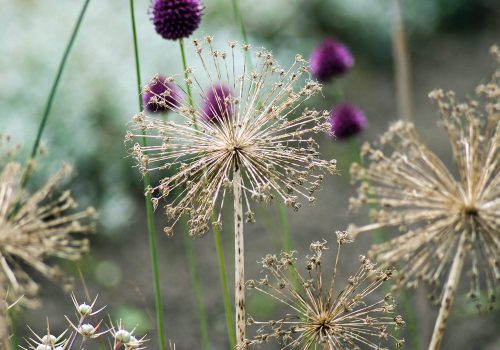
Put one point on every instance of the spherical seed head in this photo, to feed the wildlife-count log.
(347, 120)
(43, 347)
(321, 315)
(267, 137)
(87, 330)
(42, 216)
(446, 216)
(330, 59)
(123, 336)
(160, 95)
(176, 19)
(216, 106)
(84, 309)
(49, 340)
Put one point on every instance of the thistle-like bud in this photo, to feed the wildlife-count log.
(330, 59)
(347, 120)
(176, 19)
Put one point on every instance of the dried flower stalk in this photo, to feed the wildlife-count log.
(254, 144)
(445, 221)
(323, 314)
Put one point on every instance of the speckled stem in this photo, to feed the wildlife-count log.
(449, 294)
(239, 260)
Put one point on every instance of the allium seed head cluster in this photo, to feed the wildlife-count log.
(35, 227)
(264, 130)
(322, 312)
(436, 210)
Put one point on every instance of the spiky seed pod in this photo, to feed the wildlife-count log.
(347, 121)
(35, 227)
(330, 59)
(446, 220)
(176, 19)
(267, 138)
(322, 313)
(159, 94)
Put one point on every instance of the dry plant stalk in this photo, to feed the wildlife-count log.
(444, 221)
(322, 313)
(257, 144)
(34, 227)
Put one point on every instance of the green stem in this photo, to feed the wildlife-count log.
(287, 239)
(198, 295)
(380, 236)
(223, 281)
(239, 20)
(11, 319)
(52, 93)
(186, 75)
(153, 250)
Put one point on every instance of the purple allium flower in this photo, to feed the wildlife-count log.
(176, 19)
(347, 120)
(216, 106)
(160, 95)
(330, 59)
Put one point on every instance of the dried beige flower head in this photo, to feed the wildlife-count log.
(243, 122)
(444, 219)
(35, 227)
(323, 314)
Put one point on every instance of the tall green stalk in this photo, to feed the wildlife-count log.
(52, 93)
(153, 250)
(198, 295)
(188, 87)
(239, 20)
(224, 284)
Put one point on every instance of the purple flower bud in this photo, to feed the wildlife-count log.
(176, 19)
(160, 95)
(347, 120)
(330, 59)
(217, 105)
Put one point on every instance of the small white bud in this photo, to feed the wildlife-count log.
(84, 309)
(87, 330)
(49, 340)
(43, 347)
(123, 336)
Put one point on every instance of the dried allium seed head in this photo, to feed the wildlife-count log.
(440, 214)
(35, 227)
(323, 314)
(267, 137)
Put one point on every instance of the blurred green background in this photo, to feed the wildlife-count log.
(448, 44)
